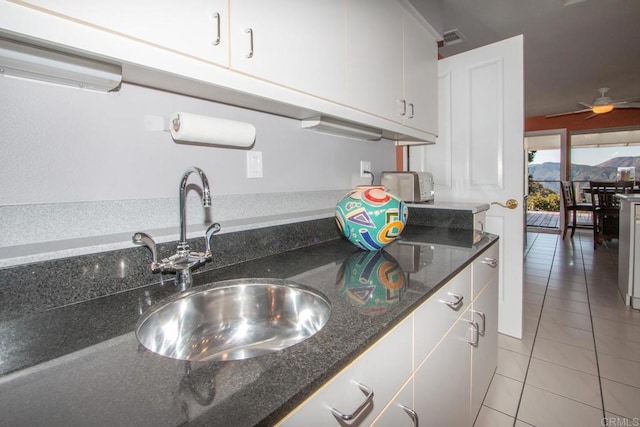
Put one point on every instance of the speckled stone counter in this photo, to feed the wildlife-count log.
(80, 364)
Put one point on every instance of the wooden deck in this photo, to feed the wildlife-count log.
(542, 219)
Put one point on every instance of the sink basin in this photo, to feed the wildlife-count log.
(233, 320)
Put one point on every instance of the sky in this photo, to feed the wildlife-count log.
(587, 156)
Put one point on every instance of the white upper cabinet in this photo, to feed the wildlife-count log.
(198, 28)
(392, 64)
(365, 62)
(374, 57)
(420, 77)
(298, 44)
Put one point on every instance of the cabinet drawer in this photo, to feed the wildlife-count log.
(384, 368)
(434, 318)
(485, 267)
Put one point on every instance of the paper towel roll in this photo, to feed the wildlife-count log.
(198, 129)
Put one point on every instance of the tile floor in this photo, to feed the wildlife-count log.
(578, 363)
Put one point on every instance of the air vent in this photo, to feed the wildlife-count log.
(452, 37)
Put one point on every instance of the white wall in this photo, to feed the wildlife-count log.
(65, 150)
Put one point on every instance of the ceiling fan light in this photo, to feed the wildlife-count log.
(601, 109)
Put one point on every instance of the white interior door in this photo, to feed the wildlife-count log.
(479, 154)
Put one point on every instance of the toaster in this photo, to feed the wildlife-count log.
(414, 187)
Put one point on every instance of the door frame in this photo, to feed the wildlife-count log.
(565, 154)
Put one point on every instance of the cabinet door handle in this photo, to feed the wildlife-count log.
(412, 109)
(491, 262)
(216, 41)
(368, 398)
(476, 332)
(484, 320)
(412, 414)
(403, 111)
(454, 305)
(250, 32)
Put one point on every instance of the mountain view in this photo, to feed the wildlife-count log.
(605, 171)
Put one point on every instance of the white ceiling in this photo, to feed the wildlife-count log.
(569, 51)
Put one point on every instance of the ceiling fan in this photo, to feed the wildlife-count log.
(602, 105)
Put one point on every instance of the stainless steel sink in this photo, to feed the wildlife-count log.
(233, 320)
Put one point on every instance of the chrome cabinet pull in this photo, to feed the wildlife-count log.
(476, 333)
(454, 305)
(404, 106)
(368, 398)
(484, 320)
(412, 414)
(491, 262)
(250, 32)
(216, 17)
(412, 109)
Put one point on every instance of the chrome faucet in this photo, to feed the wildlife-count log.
(184, 260)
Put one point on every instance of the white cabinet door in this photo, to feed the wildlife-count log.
(197, 28)
(420, 77)
(375, 57)
(299, 44)
(485, 354)
(433, 318)
(400, 412)
(484, 268)
(442, 383)
(383, 369)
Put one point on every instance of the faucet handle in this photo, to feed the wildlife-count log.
(213, 229)
(144, 239)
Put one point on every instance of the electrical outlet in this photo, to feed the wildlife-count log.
(254, 164)
(365, 166)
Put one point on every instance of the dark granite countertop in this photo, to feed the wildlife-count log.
(81, 364)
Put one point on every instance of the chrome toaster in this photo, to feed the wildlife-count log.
(414, 187)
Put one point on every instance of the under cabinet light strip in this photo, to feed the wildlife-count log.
(335, 127)
(35, 63)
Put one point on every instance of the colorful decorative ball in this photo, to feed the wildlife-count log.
(371, 281)
(370, 217)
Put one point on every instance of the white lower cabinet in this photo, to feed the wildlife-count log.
(443, 381)
(434, 368)
(400, 412)
(485, 353)
(381, 371)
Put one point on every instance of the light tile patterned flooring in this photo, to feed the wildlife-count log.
(578, 363)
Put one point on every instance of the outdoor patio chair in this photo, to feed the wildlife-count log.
(571, 207)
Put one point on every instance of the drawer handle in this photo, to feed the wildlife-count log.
(484, 320)
(412, 414)
(476, 333)
(491, 262)
(216, 17)
(250, 32)
(368, 398)
(454, 305)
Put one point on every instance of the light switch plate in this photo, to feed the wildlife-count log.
(254, 164)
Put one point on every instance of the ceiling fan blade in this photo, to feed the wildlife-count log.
(585, 105)
(567, 113)
(591, 116)
(631, 99)
(628, 105)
